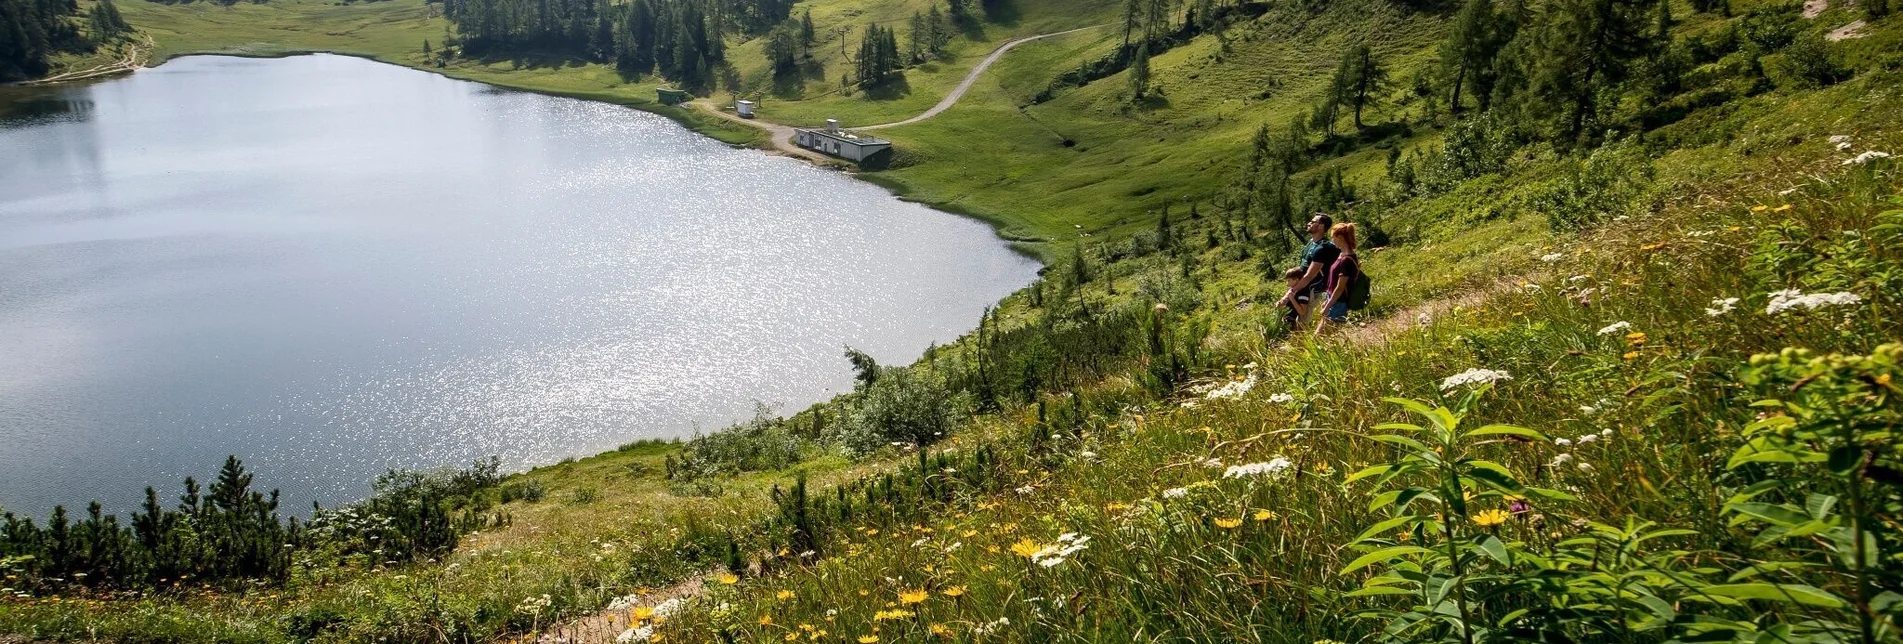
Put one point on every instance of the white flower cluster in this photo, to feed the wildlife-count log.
(1068, 544)
(1616, 327)
(1721, 306)
(1842, 141)
(1234, 389)
(1026, 489)
(1567, 457)
(1281, 399)
(624, 602)
(1474, 376)
(641, 634)
(1176, 493)
(533, 605)
(1552, 257)
(1271, 467)
(1791, 298)
(669, 607)
(1866, 157)
(990, 627)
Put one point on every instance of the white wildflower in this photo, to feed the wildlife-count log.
(1588, 410)
(990, 627)
(1866, 157)
(1839, 138)
(1791, 298)
(641, 634)
(1721, 306)
(1424, 319)
(1474, 376)
(1026, 489)
(1579, 278)
(1532, 288)
(1271, 467)
(1605, 433)
(1087, 454)
(1281, 399)
(669, 607)
(1190, 404)
(808, 554)
(1588, 438)
(1616, 327)
(1563, 442)
(1234, 389)
(1050, 562)
(955, 546)
(1176, 493)
(1552, 257)
(1585, 467)
(624, 602)
(1562, 459)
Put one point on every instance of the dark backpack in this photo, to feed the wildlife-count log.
(1358, 290)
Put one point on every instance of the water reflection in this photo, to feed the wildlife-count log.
(331, 267)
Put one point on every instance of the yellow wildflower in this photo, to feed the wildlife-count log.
(1635, 338)
(657, 637)
(941, 630)
(1630, 355)
(791, 635)
(1491, 518)
(766, 620)
(1263, 515)
(987, 568)
(1653, 246)
(729, 578)
(1026, 548)
(1759, 208)
(868, 639)
(641, 612)
(863, 592)
(1228, 523)
(783, 595)
(954, 591)
(1781, 208)
(909, 597)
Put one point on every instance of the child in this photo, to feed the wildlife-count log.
(1297, 306)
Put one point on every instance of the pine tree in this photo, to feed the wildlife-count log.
(1367, 80)
(1140, 71)
(1583, 47)
(1465, 52)
(807, 34)
(1662, 25)
(1132, 19)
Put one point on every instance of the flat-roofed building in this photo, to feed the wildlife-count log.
(843, 143)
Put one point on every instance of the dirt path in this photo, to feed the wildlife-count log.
(131, 61)
(782, 135)
(952, 98)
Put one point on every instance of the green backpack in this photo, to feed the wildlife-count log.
(1358, 290)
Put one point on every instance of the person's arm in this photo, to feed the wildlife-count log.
(1314, 269)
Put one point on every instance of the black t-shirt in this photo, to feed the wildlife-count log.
(1325, 252)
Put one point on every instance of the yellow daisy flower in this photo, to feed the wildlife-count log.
(1491, 518)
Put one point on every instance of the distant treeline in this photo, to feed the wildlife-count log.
(230, 532)
(32, 31)
(682, 39)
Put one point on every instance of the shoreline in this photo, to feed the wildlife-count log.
(687, 116)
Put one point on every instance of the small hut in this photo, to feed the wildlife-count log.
(671, 96)
(744, 109)
(844, 143)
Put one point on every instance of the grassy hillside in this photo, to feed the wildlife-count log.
(1136, 450)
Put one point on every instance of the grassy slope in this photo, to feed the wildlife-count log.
(989, 157)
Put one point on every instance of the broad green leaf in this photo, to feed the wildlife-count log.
(1375, 470)
(1381, 555)
(1377, 590)
(1397, 439)
(1385, 526)
(1794, 593)
(1782, 515)
(1506, 430)
(1492, 547)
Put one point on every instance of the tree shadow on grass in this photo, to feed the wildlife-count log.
(895, 86)
(1003, 12)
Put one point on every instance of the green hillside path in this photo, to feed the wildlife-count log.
(952, 98)
(782, 135)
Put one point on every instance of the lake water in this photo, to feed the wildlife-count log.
(331, 267)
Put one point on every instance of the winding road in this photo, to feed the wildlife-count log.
(783, 134)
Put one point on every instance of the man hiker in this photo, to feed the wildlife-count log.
(1316, 258)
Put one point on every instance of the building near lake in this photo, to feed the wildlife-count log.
(671, 96)
(744, 109)
(843, 143)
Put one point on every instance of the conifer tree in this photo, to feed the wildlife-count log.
(1584, 46)
(1466, 52)
(1140, 71)
(1366, 80)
